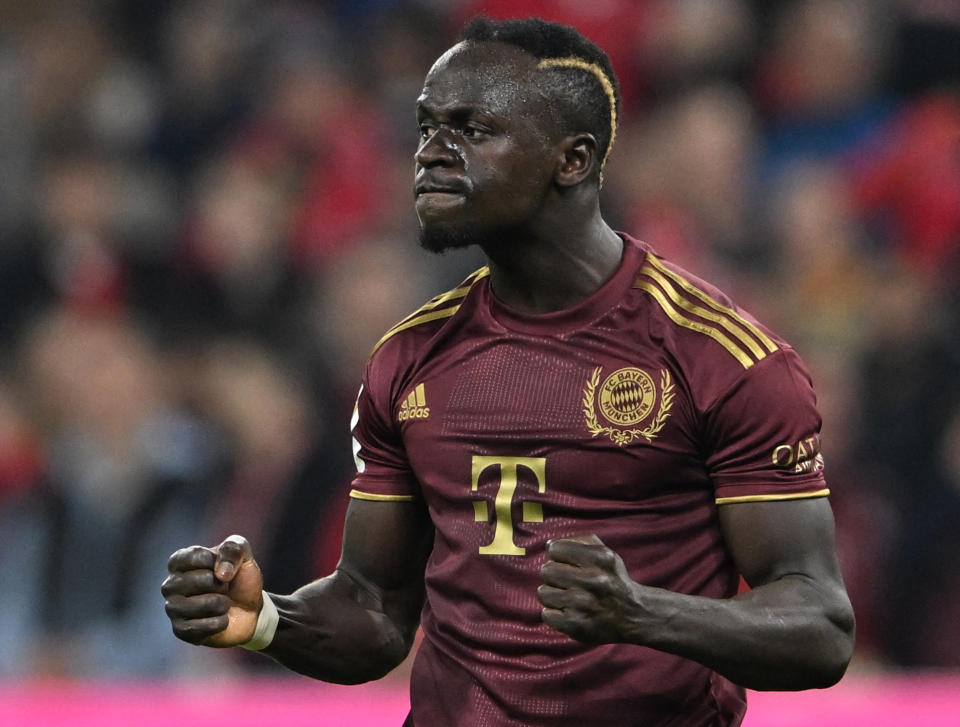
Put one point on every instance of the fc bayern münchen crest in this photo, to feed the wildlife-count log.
(627, 399)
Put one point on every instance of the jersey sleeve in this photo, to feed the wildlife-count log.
(763, 435)
(383, 470)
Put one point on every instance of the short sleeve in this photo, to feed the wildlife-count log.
(383, 470)
(763, 435)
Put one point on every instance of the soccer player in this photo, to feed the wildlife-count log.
(564, 465)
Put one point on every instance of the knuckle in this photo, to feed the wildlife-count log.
(196, 631)
(184, 631)
(596, 582)
(214, 603)
(551, 617)
(172, 606)
(607, 558)
(229, 551)
(176, 559)
(195, 556)
(191, 583)
(202, 581)
(235, 544)
(546, 595)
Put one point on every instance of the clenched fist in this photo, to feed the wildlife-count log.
(214, 595)
(588, 594)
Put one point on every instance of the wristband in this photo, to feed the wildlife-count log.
(266, 625)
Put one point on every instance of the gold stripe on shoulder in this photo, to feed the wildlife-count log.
(423, 314)
(425, 318)
(373, 497)
(681, 320)
(716, 305)
(772, 498)
(456, 293)
(709, 315)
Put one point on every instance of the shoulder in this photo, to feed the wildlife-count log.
(712, 338)
(407, 338)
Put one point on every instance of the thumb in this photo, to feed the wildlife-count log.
(232, 553)
(590, 539)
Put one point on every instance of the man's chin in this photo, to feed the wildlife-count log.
(442, 237)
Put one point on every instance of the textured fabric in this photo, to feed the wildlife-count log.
(629, 416)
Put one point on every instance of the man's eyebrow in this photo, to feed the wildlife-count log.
(454, 113)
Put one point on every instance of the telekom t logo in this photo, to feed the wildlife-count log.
(532, 511)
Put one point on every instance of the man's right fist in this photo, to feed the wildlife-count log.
(214, 595)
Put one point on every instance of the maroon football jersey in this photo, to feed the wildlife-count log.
(634, 416)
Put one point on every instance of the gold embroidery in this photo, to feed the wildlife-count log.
(627, 396)
(622, 436)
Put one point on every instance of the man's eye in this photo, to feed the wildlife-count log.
(427, 131)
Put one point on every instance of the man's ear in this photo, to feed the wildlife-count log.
(577, 161)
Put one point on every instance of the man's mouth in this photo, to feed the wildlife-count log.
(437, 187)
(430, 189)
(432, 199)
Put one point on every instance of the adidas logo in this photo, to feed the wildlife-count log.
(415, 405)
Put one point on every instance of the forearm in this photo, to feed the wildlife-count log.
(785, 635)
(337, 630)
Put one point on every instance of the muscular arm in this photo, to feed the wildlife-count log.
(793, 630)
(358, 623)
(353, 626)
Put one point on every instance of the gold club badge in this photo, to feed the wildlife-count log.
(627, 398)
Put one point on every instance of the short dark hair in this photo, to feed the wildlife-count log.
(581, 75)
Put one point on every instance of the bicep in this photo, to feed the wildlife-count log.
(785, 551)
(770, 540)
(385, 548)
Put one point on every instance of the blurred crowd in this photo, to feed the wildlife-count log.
(206, 222)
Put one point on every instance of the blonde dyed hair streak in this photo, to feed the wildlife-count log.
(601, 76)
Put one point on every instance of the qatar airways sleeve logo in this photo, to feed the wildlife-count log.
(803, 456)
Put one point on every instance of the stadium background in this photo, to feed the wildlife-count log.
(206, 222)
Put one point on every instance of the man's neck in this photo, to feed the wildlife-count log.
(555, 267)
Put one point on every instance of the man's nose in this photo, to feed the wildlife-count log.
(438, 149)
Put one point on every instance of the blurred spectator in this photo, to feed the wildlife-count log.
(685, 179)
(204, 54)
(928, 47)
(907, 182)
(357, 299)
(21, 553)
(127, 479)
(819, 81)
(232, 272)
(821, 260)
(909, 397)
(698, 41)
(285, 487)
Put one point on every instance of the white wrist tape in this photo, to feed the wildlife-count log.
(266, 625)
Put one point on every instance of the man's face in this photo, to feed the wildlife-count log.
(484, 163)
